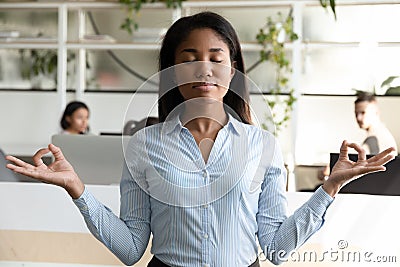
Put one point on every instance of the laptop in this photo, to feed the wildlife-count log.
(378, 183)
(96, 159)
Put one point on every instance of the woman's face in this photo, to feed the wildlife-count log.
(203, 66)
(78, 121)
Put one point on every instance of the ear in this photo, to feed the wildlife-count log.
(68, 119)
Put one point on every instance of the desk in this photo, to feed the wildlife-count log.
(43, 226)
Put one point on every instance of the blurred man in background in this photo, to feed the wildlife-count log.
(367, 115)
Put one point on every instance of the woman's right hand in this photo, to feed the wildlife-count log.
(60, 172)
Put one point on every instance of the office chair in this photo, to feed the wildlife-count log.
(133, 126)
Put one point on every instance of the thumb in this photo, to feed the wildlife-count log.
(56, 151)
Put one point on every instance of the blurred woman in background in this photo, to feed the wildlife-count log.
(75, 119)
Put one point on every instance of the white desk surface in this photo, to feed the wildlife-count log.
(367, 223)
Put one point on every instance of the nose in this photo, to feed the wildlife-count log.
(203, 69)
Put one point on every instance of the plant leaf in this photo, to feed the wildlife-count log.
(333, 7)
(393, 91)
(389, 80)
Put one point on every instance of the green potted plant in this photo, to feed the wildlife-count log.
(133, 7)
(37, 64)
(391, 89)
(272, 37)
(387, 87)
(332, 4)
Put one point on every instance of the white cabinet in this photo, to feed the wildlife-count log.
(62, 43)
(239, 12)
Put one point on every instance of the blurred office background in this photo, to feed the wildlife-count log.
(358, 50)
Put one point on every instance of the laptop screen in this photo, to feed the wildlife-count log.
(96, 159)
(378, 183)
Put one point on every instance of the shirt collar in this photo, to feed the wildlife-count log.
(174, 122)
(235, 125)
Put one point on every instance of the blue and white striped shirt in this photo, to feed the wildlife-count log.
(213, 213)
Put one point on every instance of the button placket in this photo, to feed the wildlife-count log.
(205, 223)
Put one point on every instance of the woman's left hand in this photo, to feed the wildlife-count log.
(346, 170)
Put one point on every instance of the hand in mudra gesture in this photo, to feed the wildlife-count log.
(346, 170)
(60, 172)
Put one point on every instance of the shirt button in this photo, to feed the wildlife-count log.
(206, 265)
(205, 236)
(85, 208)
(204, 174)
(205, 206)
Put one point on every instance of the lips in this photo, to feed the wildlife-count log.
(204, 86)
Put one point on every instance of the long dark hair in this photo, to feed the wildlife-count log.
(237, 97)
(69, 110)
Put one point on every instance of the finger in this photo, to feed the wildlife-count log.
(56, 151)
(12, 166)
(344, 150)
(369, 169)
(361, 152)
(18, 163)
(37, 158)
(31, 172)
(382, 154)
(356, 173)
(381, 161)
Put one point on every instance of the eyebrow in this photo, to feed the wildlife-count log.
(192, 50)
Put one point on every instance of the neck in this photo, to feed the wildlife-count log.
(204, 117)
(71, 131)
(372, 127)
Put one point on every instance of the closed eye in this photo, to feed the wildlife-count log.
(191, 61)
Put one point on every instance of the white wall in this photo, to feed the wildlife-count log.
(29, 119)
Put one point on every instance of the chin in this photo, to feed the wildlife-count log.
(209, 99)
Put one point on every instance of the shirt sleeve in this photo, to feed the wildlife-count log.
(278, 234)
(127, 237)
